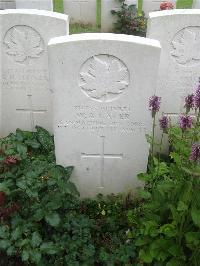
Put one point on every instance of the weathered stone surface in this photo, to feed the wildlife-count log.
(196, 4)
(35, 4)
(25, 93)
(101, 111)
(7, 4)
(179, 34)
(81, 11)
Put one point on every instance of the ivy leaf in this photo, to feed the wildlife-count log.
(53, 219)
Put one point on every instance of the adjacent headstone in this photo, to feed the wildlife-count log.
(196, 4)
(154, 5)
(101, 111)
(107, 19)
(35, 4)
(7, 4)
(81, 11)
(25, 93)
(179, 34)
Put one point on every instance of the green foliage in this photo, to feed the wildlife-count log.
(42, 219)
(129, 20)
(166, 225)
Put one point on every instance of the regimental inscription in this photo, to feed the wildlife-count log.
(25, 78)
(185, 46)
(23, 43)
(104, 78)
(102, 119)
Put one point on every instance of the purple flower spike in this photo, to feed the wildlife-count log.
(164, 122)
(185, 122)
(195, 153)
(189, 102)
(154, 104)
(197, 98)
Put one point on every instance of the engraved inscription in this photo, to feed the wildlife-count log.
(185, 46)
(25, 79)
(104, 78)
(23, 43)
(100, 119)
(102, 156)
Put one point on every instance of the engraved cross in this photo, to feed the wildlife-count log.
(102, 156)
(31, 111)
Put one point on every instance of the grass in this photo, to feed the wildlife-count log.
(184, 4)
(58, 6)
(82, 28)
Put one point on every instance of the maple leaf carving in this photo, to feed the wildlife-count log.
(105, 78)
(23, 44)
(187, 48)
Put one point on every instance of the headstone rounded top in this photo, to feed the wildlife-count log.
(104, 36)
(174, 12)
(35, 12)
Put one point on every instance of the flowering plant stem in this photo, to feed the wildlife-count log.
(153, 139)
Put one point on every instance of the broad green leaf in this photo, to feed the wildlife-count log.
(48, 248)
(45, 139)
(22, 150)
(195, 213)
(38, 215)
(33, 143)
(4, 244)
(193, 238)
(36, 239)
(53, 219)
(36, 256)
(4, 233)
(144, 194)
(16, 233)
(25, 255)
(145, 256)
(182, 207)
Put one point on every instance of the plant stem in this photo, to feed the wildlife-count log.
(152, 142)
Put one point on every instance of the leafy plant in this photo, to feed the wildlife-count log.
(166, 226)
(129, 21)
(42, 219)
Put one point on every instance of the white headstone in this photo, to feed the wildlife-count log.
(25, 93)
(7, 4)
(107, 19)
(179, 34)
(196, 4)
(35, 4)
(81, 11)
(154, 5)
(101, 107)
